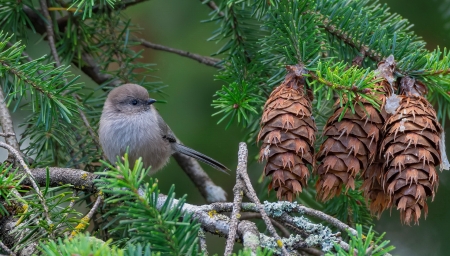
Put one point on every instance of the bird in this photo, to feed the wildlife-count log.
(129, 121)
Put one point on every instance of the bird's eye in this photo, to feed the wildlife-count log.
(134, 102)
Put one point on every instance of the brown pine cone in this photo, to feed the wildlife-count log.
(411, 150)
(288, 135)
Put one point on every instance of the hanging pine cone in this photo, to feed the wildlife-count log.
(372, 187)
(411, 150)
(351, 145)
(288, 134)
(373, 190)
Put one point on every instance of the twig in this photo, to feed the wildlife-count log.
(211, 4)
(255, 215)
(202, 239)
(250, 235)
(202, 59)
(238, 192)
(210, 191)
(2, 134)
(254, 197)
(6, 249)
(30, 177)
(86, 219)
(7, 124)
(50, 34)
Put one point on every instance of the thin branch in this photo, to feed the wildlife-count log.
(6, 249)
(7, 124)
(256, 215)
(31, 178)
(50, 34)
(242, 173)
(86, 219)
(211, 4)
(213, 62)
(238, 192)
(202, 240)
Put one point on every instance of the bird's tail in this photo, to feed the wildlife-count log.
(201, 157)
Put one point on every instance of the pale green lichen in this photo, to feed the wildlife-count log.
(275, 245)
(278, 208)
(319, 234)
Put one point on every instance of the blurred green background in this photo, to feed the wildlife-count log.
(177, 24)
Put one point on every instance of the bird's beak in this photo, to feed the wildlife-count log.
(150, 101)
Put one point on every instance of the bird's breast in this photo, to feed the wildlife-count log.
(139, 134)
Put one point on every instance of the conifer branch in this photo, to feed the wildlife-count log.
(349, 40)
(31, 178)
(213, 62)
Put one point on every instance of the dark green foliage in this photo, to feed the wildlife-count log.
(362, 245)
(136, 216)
(82, 245)
(9, 180)
(350, 207)
(325, 36)
(248, 252)
(61, 217)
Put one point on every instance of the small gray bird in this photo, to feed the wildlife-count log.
(130, 120)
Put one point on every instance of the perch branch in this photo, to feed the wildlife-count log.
(79, 179)
(213, 62)
(209, 215)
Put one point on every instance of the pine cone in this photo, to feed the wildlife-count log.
(373, 190)
(351, 145)
(411, 151)
(288, 134)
